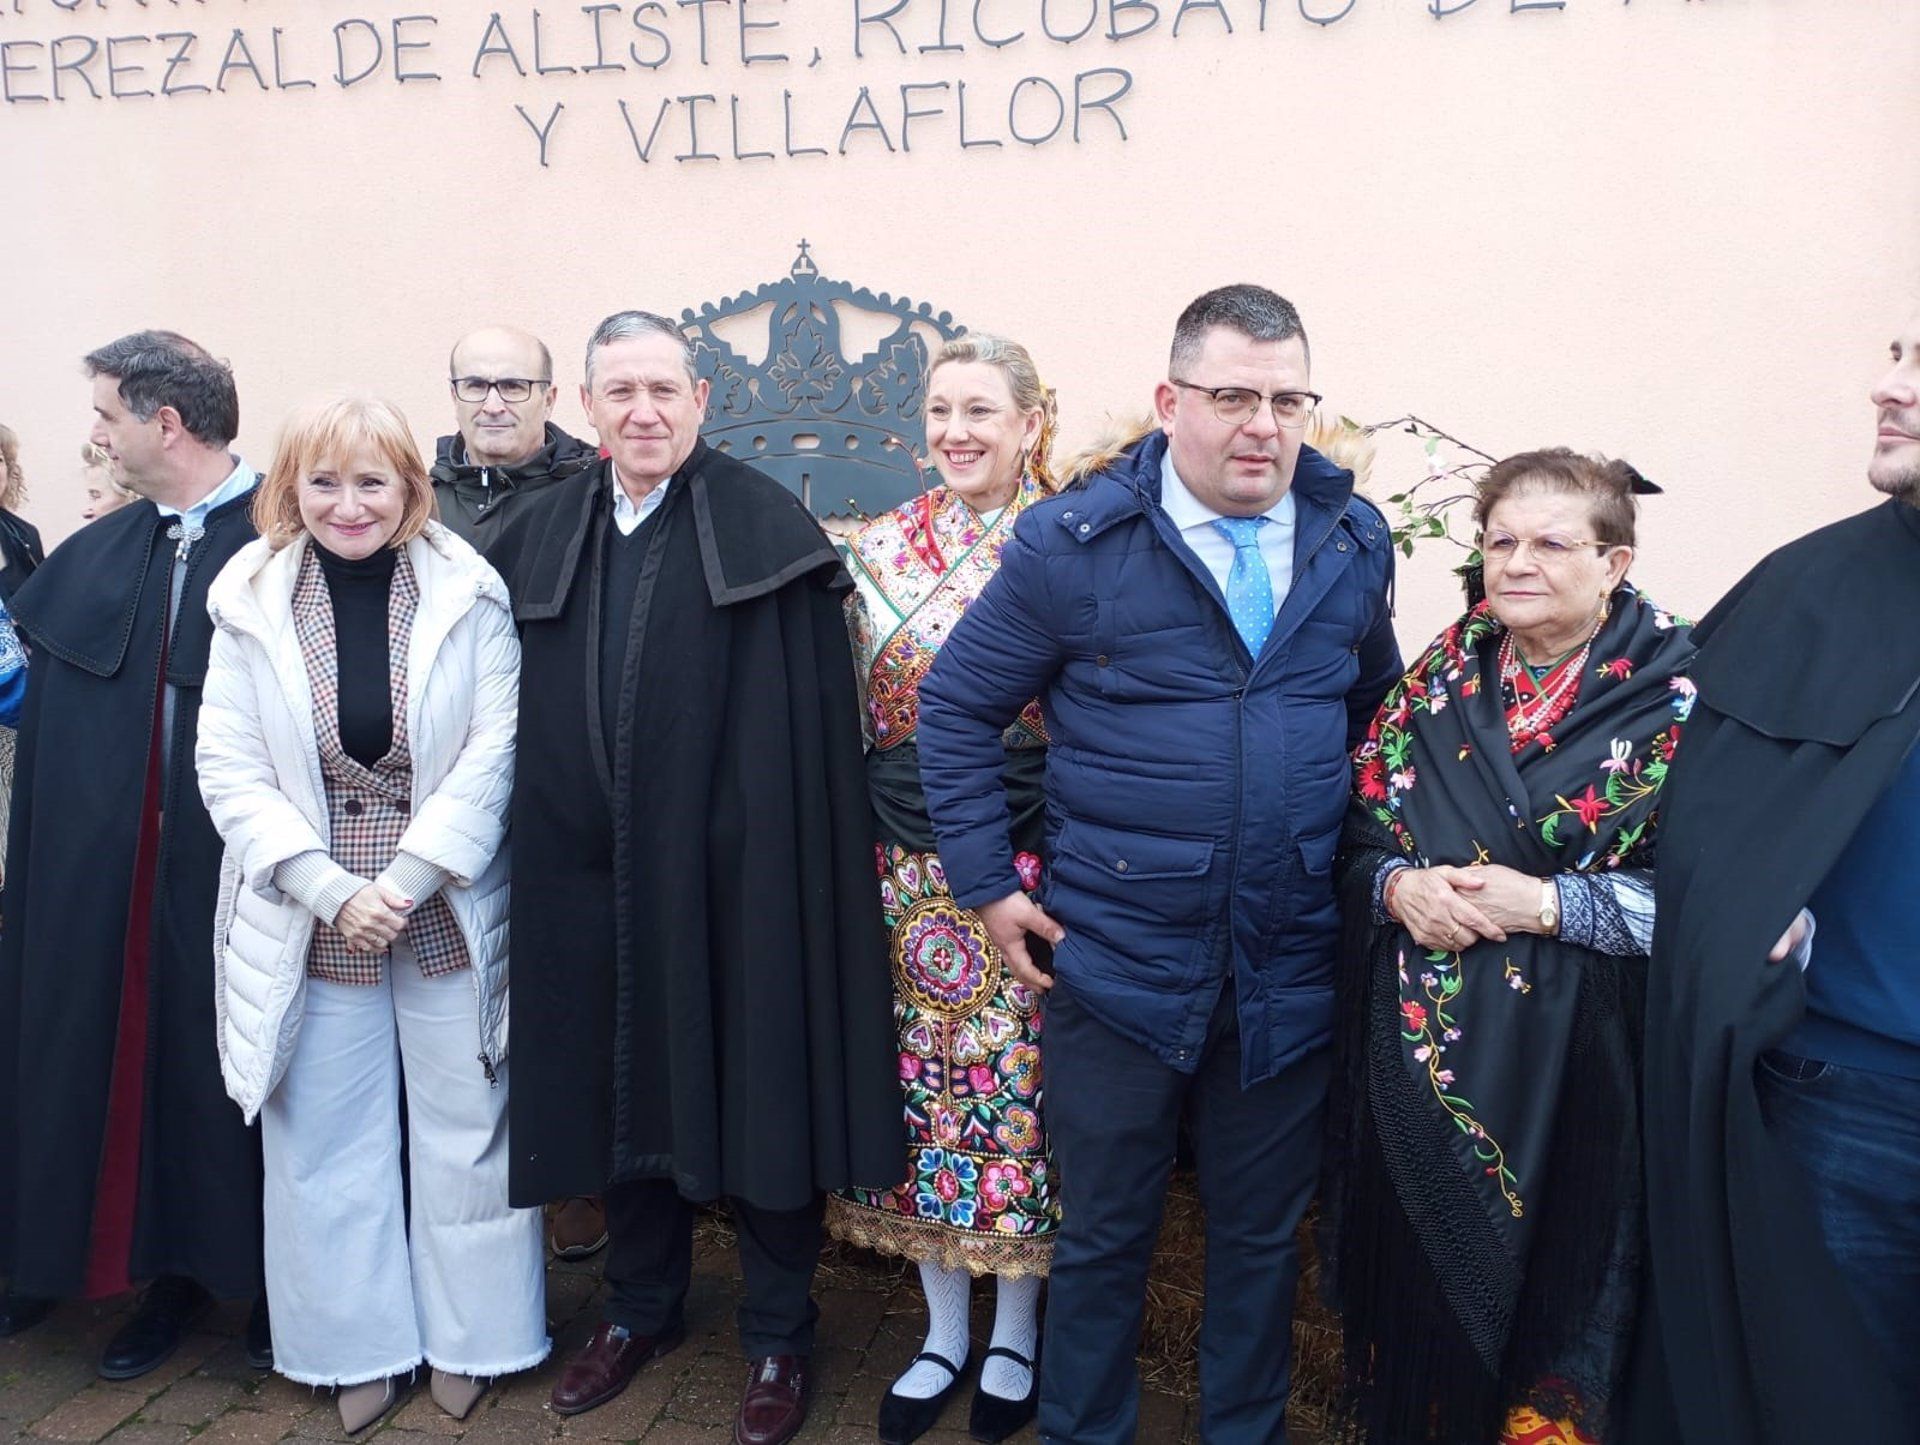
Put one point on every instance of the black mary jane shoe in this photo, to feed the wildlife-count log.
(994, 1417)
(904, 1419)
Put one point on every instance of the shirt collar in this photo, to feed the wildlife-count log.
(238, 480)
(1187, 511)
(623, 505)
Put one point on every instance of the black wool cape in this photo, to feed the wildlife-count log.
(92, 616)
(700, 985)
(1808, 677)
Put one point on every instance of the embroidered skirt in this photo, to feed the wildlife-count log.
(980, 1193)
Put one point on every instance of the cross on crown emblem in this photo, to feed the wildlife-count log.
(838, 427)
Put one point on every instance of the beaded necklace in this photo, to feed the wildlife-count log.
(1539, 704)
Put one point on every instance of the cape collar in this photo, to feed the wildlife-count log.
(82, 603)
(754, 541)
(1815, 645)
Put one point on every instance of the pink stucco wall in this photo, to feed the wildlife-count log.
(1679, 230)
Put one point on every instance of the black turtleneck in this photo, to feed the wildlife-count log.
(360, 591)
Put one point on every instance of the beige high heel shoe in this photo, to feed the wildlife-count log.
(364, 1404)
(456, 1394)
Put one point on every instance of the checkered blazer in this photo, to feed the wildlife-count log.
(368, 808)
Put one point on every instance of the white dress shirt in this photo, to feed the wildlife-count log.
(626, 516)
(1195, 520)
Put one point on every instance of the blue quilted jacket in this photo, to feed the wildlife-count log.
(1194, 792)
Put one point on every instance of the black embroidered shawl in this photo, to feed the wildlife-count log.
(1483, 1196)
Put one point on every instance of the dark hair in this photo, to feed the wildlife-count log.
(163, 368)
(625, 324)
(1255, 312)
(1607, 485)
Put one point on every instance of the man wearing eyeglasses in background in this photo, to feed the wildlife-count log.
(503, 395)
(1206, 624)
(506, 448)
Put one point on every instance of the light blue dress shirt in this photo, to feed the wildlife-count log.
(1195, 520)
(192, 522)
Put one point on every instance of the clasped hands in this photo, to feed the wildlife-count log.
(373, 918)
(1447, 908)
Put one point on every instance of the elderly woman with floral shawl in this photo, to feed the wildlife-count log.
(1483, 1188)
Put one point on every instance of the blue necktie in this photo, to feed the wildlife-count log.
(1249, 584)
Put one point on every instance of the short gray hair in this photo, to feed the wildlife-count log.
(1255, 312)
(624, 324)
(162, 368)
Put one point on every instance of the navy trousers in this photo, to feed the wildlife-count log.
(1113, 1114)
(650, 1266)
(1858, 1135)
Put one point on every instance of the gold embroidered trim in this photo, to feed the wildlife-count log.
(925, 1242)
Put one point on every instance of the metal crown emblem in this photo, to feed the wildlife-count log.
(838, 430)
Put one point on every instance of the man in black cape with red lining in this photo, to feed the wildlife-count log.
(1782, 1113)
(121, 1158)
(702, 1005)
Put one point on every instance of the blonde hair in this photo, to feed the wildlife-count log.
(331, 431)
(1030, 393)
(96, 458)
(16, 489)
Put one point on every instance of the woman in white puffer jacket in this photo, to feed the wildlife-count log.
(356, 754)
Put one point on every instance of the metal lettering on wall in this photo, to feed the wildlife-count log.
(836, 425)
(666, 116)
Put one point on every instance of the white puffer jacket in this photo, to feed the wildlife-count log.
(259, 768)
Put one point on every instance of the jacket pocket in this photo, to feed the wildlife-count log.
(1160, 664)
(1317, 851)
(1792, 1069)
(1138, 901)
(1299, 1020)
(1129, 857)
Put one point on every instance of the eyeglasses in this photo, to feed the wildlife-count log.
(1236, 405)
(1504, 547)
(511, 388)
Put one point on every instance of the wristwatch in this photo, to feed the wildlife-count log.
(1549, 907)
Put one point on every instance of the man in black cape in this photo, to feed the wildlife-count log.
(121, 1158)
(1782, 1112)
(702, 1004)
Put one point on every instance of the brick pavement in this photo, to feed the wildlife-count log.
(871, 1325)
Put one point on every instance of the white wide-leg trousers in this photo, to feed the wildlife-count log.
(354, 1298)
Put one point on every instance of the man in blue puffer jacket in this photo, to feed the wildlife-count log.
(1207, 625)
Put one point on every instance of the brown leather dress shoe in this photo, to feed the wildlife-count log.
(579, 1227)
(775, 1405)
(606, 1366)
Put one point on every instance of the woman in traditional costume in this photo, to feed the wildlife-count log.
(1484, 1178)
(979, 1197)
